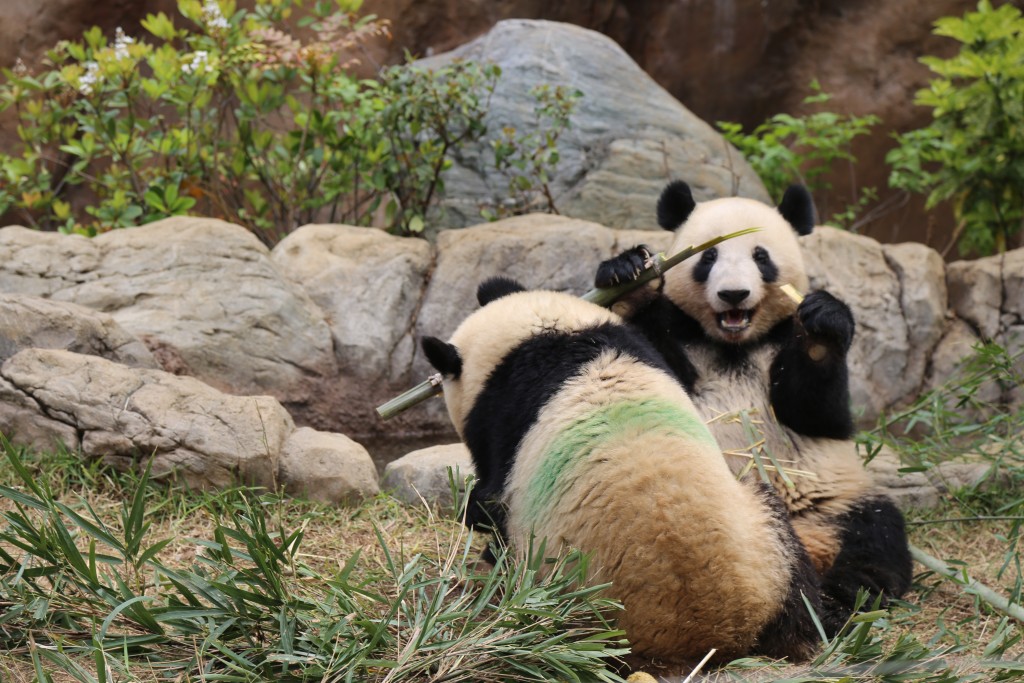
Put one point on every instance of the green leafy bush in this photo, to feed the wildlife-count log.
(236, 118)
(528, 160)
(972, 152)
(786, 149)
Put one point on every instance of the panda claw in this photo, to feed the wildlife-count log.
(625, 267)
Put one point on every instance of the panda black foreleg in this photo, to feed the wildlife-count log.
(485, 513)
(809, 380)
(873, 555)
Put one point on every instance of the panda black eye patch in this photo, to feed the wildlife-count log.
(769, 271)
(702, 270)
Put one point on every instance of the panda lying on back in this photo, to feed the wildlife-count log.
(581, 436)
(738, 343)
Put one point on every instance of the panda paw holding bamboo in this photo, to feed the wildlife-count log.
(741, 346)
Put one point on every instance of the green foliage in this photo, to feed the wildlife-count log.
(959, 416)
(528, 161)
(786, 149)
(233, 117)
(972, 152)
(79, 589)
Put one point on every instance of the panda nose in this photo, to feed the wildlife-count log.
(733, 296)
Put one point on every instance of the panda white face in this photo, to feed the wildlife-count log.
(732, 289)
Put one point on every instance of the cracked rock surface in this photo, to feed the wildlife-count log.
(329, 322)
(628, 138)
(32, 322)
(199, 290)
(898, 297)
(207, 438)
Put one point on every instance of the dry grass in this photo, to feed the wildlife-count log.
(938, 612)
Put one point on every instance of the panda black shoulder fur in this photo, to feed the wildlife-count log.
(580, 435)
(738, 343)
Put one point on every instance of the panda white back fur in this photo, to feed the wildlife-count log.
(581, 436)
(738, 343)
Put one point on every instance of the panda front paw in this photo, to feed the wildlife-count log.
(625, 267)
(826, 320)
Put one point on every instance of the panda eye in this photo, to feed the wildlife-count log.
(709, 256)
(760, 255)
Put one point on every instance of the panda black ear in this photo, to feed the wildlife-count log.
(797, 207)
(443, 356)
(495, 288)
(675, 205)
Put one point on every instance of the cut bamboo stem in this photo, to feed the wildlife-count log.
(419, 393)
(606, 296)
(997, 601)
(602, 296)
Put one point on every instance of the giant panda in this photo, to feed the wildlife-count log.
(581, 436)
(738, 343)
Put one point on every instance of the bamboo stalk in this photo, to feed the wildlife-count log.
(971, 586)
(606, 296)
(419, 393)
(700, 666)
(602, 296)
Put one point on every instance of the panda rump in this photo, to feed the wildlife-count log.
(582, 437)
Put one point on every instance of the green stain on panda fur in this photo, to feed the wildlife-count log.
(571, 448)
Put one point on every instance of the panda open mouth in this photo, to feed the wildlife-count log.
(735, 320)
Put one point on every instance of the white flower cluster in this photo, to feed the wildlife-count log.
(89, 78)
(213, 16)
(121, 43)
(200, 62)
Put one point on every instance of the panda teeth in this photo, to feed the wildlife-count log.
(734, 320)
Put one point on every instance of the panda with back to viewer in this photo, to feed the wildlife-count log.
(581, 436)
(740, 345)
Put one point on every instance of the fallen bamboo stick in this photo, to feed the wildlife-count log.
(602, 296)
(971, 586)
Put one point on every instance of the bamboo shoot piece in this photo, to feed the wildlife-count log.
(603, 296)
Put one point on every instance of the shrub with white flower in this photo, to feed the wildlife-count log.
(213, 17)
(200, 63)
(89, 79)
(230, 114)
(121, 43)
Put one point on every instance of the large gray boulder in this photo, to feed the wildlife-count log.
(32, 322)
(422, 475)
(369, 285)
(628, 137)
(988, 295)
(897, 295)
(201, 293)
(123, 415)
(205, 438)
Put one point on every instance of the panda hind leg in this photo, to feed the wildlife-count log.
(792, 633)
(874, 555)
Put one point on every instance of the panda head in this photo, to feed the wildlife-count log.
(509, 316)
(732, 289)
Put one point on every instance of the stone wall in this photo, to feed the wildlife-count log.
(328, 321)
